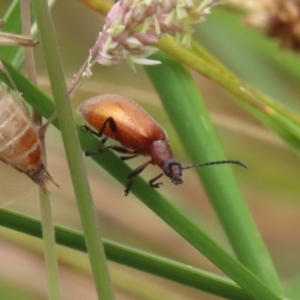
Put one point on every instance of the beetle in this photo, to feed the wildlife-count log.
(20, 144)
(123, 120)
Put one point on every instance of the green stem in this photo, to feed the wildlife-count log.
(49, 246)
(45, 200)
(72, 147)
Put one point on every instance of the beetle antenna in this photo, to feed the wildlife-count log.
(236, 162)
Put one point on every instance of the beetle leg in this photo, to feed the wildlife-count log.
(110, 121)
(138, 170)
(134, 173)
(104, 140)
(120, 149)
(128, 187)
(88, 129)
(113, 127)
(115, 148)
(156, 185)
(128, 157)
(112, 124)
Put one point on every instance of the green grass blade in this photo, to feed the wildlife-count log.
(294, 288)
(9, 291)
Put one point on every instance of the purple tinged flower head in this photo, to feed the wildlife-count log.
(132, 26)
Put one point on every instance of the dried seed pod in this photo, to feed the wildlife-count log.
(20, 145)
(279, 19)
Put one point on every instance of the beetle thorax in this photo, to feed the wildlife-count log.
(160, 152)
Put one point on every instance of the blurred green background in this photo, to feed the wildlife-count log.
(270, 185)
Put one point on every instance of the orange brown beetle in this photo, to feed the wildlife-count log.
(123, 120)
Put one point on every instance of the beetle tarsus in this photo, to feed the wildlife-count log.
(115, 148)
(128, 187)
(128, 157)
(156, 185)
(103, 141)
(88, 129)
(90, 153)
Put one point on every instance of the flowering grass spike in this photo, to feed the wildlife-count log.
(132, 26)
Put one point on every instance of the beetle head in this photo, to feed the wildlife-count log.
(173, 170)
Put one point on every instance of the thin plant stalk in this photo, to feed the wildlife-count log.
(72, 147)
(45, 199)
